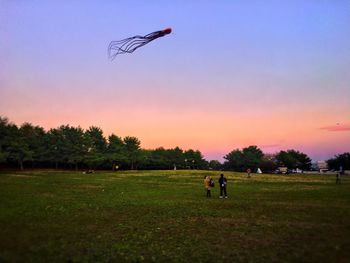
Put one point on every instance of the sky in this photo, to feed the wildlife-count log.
(275, 74)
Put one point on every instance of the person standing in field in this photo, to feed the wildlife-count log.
(248, 172)
(223, 184)
(337, 178)
(338, 174)
(207, 185)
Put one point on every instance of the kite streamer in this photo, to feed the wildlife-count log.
(130, 44)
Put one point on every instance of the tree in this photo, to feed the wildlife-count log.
(18, 148)
(132, 150)
(268, 163)
(55, 146)
(215, 165)
(176, 157)
(73, 145)
(145, 159)
(234, 160)
(4, 140)
(253, 157)
(34, 138)
(96, 139)
(115, 151)
(293, 159)
(159, 159)
(303, 161)
(285, 159)
(96, 147)
(195, 159)
(341, 160)
(250, 157)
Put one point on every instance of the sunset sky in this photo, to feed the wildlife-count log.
(275, 74)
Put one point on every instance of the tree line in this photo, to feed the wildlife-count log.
(340, 161)
(68, 147)
(253, 158)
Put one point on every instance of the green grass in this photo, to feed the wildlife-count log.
(164, 216)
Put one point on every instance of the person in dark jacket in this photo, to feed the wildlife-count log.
(223, 183)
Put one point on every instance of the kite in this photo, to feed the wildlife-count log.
(130, 44)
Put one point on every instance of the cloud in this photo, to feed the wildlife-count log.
(336, 128)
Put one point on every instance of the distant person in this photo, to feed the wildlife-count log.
(248, 172)
(337, 178)
(207, 186)
(223, 184)
(338, 175)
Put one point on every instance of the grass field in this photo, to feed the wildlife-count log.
(164, 216)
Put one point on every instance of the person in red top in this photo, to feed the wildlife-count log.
(248, 172)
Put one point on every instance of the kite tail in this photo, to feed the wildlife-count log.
(130, 44)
